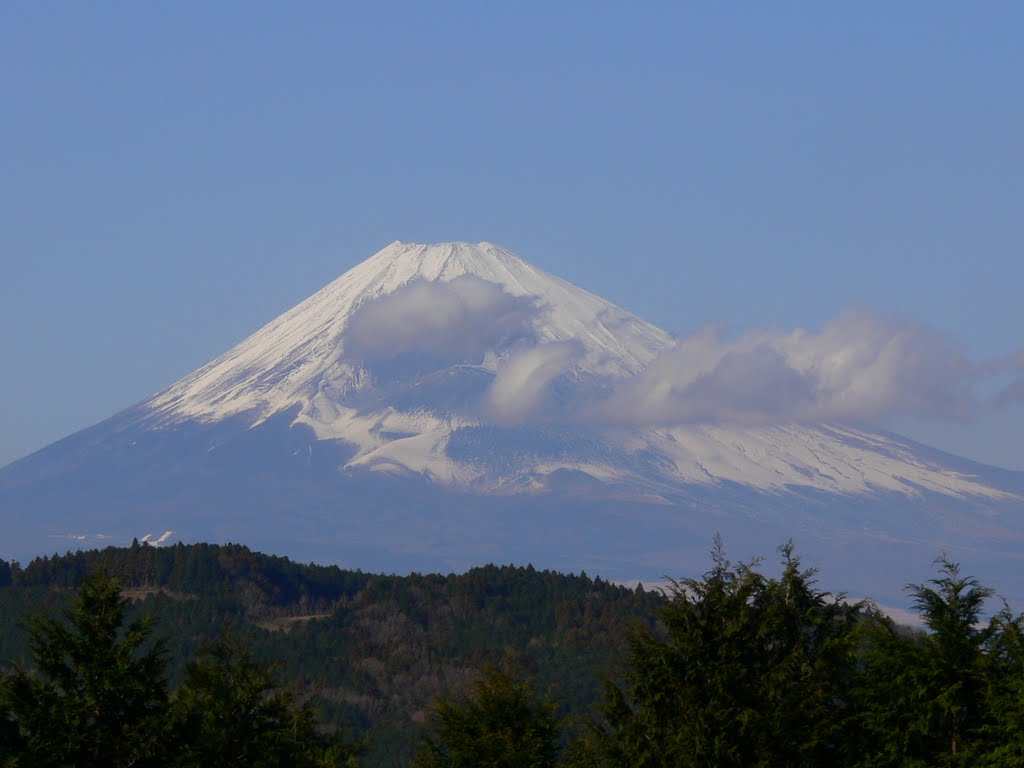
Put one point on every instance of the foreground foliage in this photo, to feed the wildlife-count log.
(927, 700)
(746, 671)
(499, 723)
(96, 696)
(732, 669)
(231, 711)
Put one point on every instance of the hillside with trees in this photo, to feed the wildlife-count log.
(215, 655)
(376, 651)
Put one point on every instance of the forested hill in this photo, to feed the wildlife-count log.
(738, 669)
(375, 649)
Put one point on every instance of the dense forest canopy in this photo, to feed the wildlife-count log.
(145, 656)
(376, 650)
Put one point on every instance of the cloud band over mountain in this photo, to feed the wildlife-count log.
(859, 367)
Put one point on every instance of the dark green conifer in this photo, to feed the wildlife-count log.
(748, 671)
(96, 695)
(922, 696)
(501, 723)
(1004, 695)
(232, 713)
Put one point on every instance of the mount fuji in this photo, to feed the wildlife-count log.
(442, 405)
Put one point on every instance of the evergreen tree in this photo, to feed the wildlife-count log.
(500, 724)
(1004, 735)
(923, 697)
(231, 712)
(748, 672)
(96, 695)
(953, 653)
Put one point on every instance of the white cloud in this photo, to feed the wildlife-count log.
(858, 368)
(431, 325)
(521, 387)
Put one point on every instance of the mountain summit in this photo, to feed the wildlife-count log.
(438, 405)
(312, 349)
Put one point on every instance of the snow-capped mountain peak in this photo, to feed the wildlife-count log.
(421, 348)
(303, 352)
(443, 405)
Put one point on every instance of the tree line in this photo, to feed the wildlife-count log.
(738, 669)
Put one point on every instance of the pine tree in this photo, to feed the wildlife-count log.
(923, 697)
(231, 712)
(953, 652)
(1004, 695)
(748, 671)
(501, 723)
(96, 695)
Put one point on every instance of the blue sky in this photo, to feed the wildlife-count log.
(176, 175)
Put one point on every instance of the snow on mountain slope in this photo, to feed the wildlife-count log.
(417, 421)
(827, 457)
(292, 358)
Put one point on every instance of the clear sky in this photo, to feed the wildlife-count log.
(174, 175)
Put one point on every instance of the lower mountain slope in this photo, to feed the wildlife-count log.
(279, 487)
